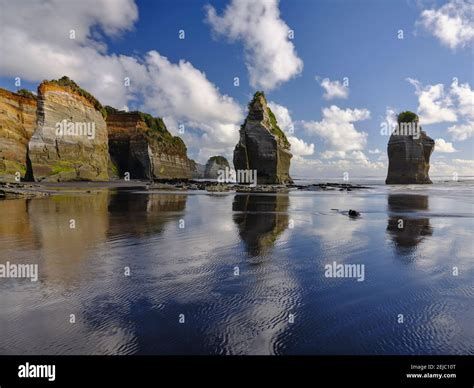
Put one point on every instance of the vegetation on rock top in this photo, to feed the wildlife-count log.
(274, 128)
(407, 117)
(256, 96)
(25, 93)
(69, 83)
(218, 159)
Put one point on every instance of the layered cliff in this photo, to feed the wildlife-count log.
(262, 145)
(70, 141)
(17, 124)
(214, 165)
(142, 146)
(409, 150)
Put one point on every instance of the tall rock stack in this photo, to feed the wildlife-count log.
(263, 146)
(142, 146)
(214, 165)
(72, 151)
(17, 124)
(409, 154)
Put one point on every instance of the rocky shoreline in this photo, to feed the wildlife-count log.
(43, 189)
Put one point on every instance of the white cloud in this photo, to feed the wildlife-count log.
(333, 89)
(375, 152)
(442, 146)
(391, 118)
(271, 57)
(39, 47)
(434, 105)
(356, 165)
(283, 116)
(463, 131)
(464, 97)
(39, 44)
(452, 23)
(338, 131)
(461, 167)
(351, 156)
(182, 92)
(298, 146)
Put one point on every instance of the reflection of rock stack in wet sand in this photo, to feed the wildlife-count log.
(260, 231)
(145, 214)
(15, 227)
(63, 248)
(407, 231)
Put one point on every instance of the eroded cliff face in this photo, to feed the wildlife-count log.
(409, 157)
(70, 141)
(142, 146)
(17, 124)
(214, 165)
(263, 146)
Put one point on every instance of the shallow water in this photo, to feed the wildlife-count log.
(246, 271)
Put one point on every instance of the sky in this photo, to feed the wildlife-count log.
(335, 72)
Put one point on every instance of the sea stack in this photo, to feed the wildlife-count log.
(17, 124)
(263, 146)
(214, 165)
(409, 150)
(142, 146)
(70, 140)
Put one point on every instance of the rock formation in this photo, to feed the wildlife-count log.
(263, 146)
(409, 150)
(198, 170)
(213, 165)
(70, 141)
(142, 146)
(17, 124)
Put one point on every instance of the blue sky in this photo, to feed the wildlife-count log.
(332, 39)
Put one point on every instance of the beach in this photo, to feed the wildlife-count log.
(195, 272)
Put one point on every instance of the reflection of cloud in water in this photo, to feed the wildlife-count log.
(336, 235)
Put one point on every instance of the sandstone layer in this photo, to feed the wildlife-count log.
(70, 141)
(262, 145)
(142, 146)
(17, 124)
